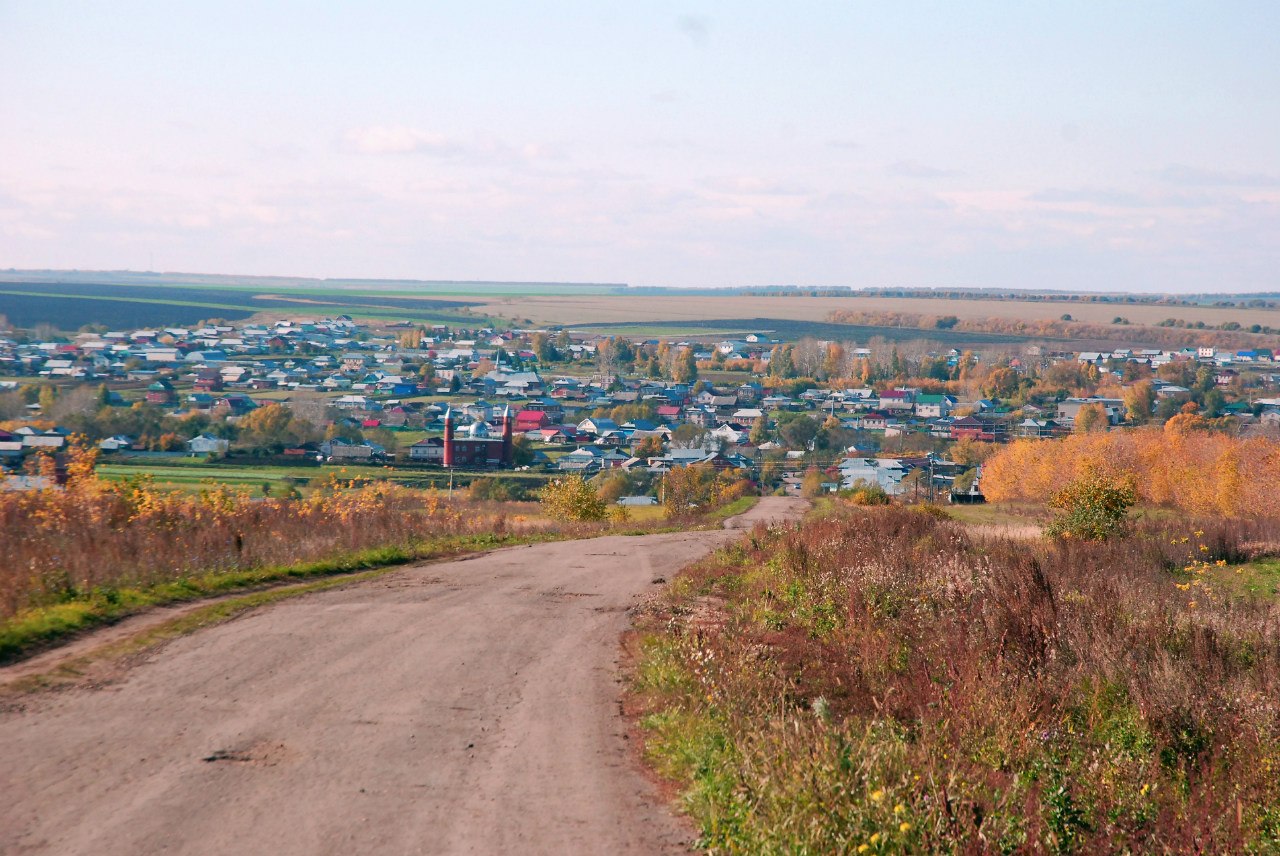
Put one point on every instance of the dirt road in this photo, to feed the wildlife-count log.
(463, 707)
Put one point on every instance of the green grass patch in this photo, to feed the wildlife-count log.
(741, 505)
(1258, 580)
(998, 513)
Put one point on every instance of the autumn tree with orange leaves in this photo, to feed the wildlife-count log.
(1198, 471)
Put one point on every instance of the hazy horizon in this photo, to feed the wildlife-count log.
(1084, 148)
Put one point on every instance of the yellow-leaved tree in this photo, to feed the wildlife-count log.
(571, 498)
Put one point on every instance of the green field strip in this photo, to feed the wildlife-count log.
(142, 300)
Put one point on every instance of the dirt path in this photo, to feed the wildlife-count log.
(462, 707)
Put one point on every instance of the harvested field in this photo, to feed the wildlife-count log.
(656, 308)
(789, 330)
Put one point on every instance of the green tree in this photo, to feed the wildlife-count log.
(795, 430)
(1214, 401)
(896, 367)
(521, 452)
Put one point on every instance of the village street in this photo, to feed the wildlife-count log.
(469, 706)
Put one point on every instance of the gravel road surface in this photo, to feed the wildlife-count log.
(470, 706)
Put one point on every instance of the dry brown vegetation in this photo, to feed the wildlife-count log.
(96, 535)
(880, 681)
(1056, 328)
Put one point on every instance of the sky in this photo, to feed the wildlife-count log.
(1077, 145)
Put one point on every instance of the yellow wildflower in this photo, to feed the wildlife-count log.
(877, 795)
(875, 838)
(904, 827)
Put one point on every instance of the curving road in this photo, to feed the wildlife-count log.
(469, 706)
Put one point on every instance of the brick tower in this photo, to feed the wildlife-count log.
(448, 437)
(508, 445)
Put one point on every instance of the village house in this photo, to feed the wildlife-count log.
(205, 444)
(1070, 407)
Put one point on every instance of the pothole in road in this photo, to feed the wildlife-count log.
(561, 594)
(264, 753)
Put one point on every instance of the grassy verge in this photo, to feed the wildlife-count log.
(741, 505)
(877, 682)
(206, 616)
(998, 514)
(35, 629)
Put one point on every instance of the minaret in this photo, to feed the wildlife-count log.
(508, 446)
(448, 437)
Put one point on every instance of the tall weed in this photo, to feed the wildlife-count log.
(880, 678)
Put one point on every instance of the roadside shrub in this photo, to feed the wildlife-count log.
(571, 498)
(700, 488)
(866, 494)
(497, 490)
(1091, 509)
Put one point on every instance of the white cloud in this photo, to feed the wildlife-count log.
(915, 169)
(1191, 176)
(399, 140)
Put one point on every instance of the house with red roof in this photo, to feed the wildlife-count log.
(531, 420)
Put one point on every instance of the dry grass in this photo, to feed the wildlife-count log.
(60, 545)
(881, 681)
